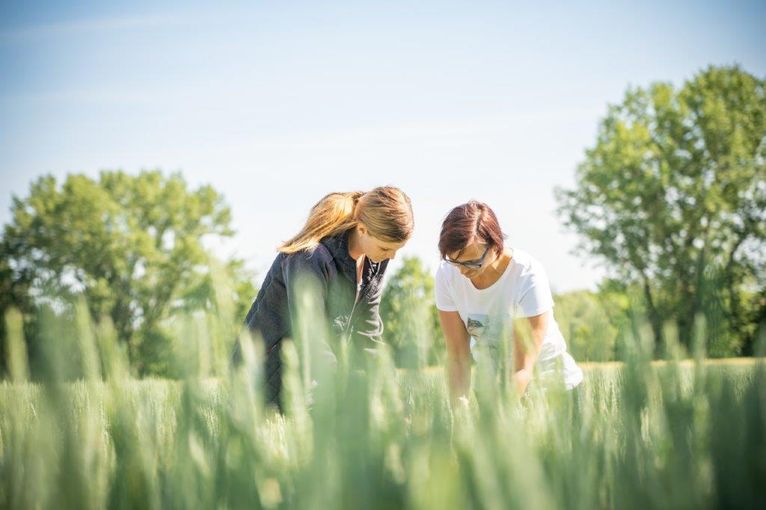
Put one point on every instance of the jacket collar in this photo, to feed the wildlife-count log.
(338, 247)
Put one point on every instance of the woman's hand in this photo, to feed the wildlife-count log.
(521, 379)
(458, 369)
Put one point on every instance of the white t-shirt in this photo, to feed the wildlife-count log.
(521, 291)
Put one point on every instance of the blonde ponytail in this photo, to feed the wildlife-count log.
(330, 216)
(385, 211)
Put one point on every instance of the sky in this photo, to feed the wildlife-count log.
(275, 104)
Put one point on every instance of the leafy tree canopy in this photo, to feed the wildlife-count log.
(672, 197)
(410, 316)
(133, 245)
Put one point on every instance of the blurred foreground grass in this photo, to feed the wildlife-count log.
(641, 434)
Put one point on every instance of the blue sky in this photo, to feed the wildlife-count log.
(278, 103)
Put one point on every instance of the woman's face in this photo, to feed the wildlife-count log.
(376, 249)
(473, 260)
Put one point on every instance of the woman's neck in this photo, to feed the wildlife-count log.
(493, 272)
(354, 250)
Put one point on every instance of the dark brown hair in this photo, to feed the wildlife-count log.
(468, 223)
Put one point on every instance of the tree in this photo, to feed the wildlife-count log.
(584, 320)
(410, 318)
(133, 246)
(13, 293)
(672, 198)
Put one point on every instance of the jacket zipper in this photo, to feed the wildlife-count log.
(360, 295)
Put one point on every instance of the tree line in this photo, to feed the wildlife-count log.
(671, 199)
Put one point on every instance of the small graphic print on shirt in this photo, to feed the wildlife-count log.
(476, 324)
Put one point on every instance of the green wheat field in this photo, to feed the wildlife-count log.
(638, 434)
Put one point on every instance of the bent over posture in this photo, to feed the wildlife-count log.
(482, 286)
(344, 248)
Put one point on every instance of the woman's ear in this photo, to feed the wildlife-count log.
(362, 229)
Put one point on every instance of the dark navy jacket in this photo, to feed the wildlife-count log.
(333, 271)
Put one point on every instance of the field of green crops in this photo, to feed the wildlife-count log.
(635, 435)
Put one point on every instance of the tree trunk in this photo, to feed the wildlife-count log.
(655, 320)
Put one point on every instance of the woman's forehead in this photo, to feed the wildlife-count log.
(470, 252)
(390, 245)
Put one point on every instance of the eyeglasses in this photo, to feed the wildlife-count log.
(471, 264)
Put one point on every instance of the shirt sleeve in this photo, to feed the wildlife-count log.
(535, 297)
(444, 299)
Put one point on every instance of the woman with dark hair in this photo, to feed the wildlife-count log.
(343, 249)
(483, 288)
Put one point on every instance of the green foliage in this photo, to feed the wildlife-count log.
(410, 318)
(673, 198)
(678, 434)
(585, 323)
(133, 246)
(14, 295)
(622, 304)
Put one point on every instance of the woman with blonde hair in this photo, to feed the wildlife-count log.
(345, 247)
